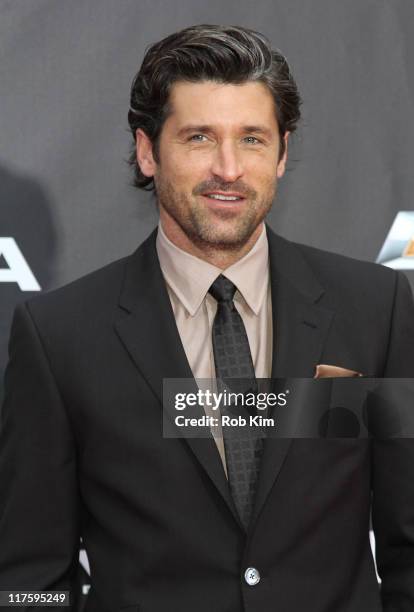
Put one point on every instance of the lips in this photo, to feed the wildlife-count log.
(220, 196)
(226, 205)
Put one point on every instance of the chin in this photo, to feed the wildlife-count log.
(223, 239)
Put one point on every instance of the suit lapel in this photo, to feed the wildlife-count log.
(300, 321)
(300, 328)
(149, 333)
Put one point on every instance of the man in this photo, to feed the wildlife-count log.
(164, 521)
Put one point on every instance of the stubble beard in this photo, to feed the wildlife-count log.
(209, 230)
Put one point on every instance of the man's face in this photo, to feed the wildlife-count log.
(218, 162)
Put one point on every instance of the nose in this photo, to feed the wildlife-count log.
(227, 164)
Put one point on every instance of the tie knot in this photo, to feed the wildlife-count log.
(222, 289)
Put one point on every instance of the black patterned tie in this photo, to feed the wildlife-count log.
(243, 445)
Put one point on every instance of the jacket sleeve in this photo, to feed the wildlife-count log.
(393, 471)
(39, 514)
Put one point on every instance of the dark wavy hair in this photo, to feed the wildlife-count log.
(225, 54)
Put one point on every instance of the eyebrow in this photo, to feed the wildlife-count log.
(204, 129)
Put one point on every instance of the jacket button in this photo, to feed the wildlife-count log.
(252, 576)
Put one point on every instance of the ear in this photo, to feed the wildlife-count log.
(281, 166)
(145, 158)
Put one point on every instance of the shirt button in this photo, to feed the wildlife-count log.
(252, 576)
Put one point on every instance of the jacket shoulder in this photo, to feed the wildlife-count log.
(88, 304)
(347, 284)
(341, 274)
(87, 296)
(331, 266)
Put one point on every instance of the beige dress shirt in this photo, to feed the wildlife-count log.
(188, 280)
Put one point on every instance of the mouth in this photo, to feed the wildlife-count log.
(223, 200)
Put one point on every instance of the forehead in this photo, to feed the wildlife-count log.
(209, 102)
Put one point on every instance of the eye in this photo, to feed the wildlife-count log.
(197, 138)
(252, 140)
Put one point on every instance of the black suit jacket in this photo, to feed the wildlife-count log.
(82, 451)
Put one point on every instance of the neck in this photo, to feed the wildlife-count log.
(220, 257)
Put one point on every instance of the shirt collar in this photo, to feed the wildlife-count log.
(190, 277)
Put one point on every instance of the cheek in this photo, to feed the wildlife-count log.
(185, 171)
(263, 161)
(262, 173)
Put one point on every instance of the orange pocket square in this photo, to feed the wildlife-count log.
(330, 371)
